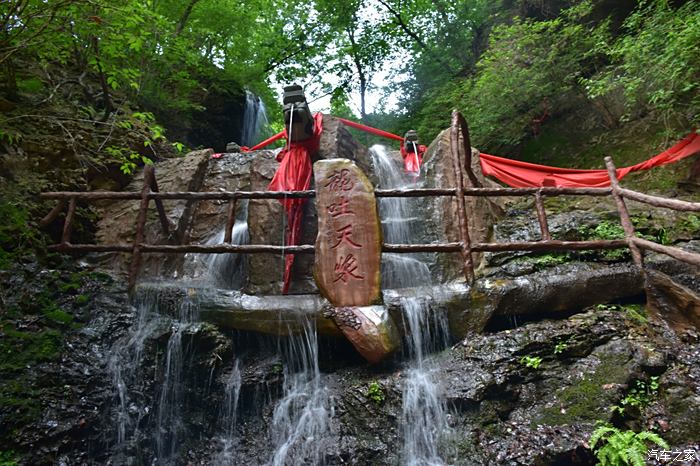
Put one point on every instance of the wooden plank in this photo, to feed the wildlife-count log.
(68, 224)
(552, 245)
(230, 221)
(164, 223)
(135, 267)
(542, 217)
(55, 212)
(228, 248)
(467, 146)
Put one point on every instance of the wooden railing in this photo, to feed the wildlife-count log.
(461, 158)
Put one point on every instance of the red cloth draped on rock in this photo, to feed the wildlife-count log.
(294, 174)
(524, 175)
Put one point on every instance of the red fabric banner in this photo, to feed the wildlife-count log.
(524, 175)
(294, 174)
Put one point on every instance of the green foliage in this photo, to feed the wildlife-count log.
(635, 312)
(607, 230)
(549, 260)
(21, 348)
(639, 395)
(17, 238)
(526, 63)
(690, 223)
(375, 392)
(532, 362)
(623, 448)
(656, 62)
(8, 458)
(560, 347)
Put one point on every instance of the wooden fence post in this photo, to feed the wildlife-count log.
(68, 224)
(624, 214)
(135, 268)
(466, 246)
(542, 217)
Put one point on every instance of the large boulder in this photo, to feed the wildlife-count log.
(441, 212)
(117, 224)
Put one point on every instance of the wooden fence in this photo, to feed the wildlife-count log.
(461, 159)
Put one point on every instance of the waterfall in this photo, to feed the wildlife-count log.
(255, 120)
(424, 412)
(399, 222)
(301, 421)
(125, 364)
(227, 271)
(229, 418)
(169, 425)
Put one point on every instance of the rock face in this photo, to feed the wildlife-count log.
(117, 222)
(349, 241)
(337, 142)
(672, 302)
(441, 212)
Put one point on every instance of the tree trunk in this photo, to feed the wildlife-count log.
(185, 16)
(10, 80)
(106, 98)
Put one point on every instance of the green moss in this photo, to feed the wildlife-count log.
(20, 349)
(59, 316)
(30, 85)
(15, 236)
(81, 300)
(586, 400)
(18, 396)
(71, 287)
(545, 261)
(633, 312)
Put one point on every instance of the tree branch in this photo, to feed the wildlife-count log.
(412, 34)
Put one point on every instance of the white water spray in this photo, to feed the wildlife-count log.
(301, 422)
(399, 221)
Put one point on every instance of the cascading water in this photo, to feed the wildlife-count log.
(399, 221)
(169, 425)
(301, 420)
(255, 120)
(165, 434)
(424, 412)
(225, 457)
(227, 271)
(125, 365)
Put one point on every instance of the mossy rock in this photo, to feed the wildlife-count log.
(589, 400)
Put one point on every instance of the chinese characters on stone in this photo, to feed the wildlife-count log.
(345, 269)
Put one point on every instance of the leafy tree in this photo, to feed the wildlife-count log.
(655, 62)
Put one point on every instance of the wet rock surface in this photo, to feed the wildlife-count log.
(501, 410)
